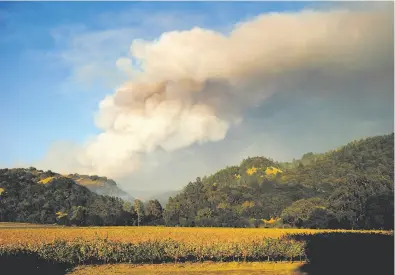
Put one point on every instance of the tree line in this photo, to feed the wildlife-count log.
(351, 188)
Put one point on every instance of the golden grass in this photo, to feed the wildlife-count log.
(46, 180)
(88, 181)
(145, 233)
(192, 268)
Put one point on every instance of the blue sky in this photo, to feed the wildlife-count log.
(58, 61)
(42, 99)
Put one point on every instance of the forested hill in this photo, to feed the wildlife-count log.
(31, 195)
(350, 187)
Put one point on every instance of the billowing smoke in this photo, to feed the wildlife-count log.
(191, 86)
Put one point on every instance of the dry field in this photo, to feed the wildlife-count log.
(33, 234)
(24, 225)
(192, 269)
(130, 250)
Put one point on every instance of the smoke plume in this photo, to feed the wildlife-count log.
(191, 86)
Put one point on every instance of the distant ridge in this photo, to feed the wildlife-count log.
(101, 185)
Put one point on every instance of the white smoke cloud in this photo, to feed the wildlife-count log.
(192, 86)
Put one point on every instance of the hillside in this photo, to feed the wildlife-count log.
(35, 196)
(350, 187)
(101, 185)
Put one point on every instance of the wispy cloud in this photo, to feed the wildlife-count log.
(91, 54)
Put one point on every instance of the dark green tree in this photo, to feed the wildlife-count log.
(154, 212)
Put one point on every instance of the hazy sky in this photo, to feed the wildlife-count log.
(156, 94)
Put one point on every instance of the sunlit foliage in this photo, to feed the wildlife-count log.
(61, 214)
(251, 171)
(271, 221)
(272, 170)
